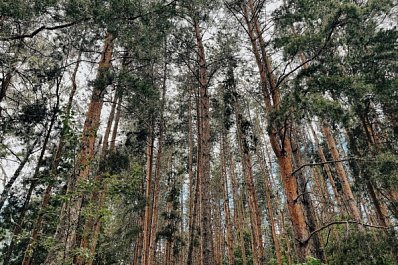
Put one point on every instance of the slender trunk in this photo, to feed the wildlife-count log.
(347, 195)
(5, 84)
(227, 211)
(247, 168)
(328, 172)
(17, 172)
(197, 186)
(168, 209)
(97, 226)
(66, 231)
(29, 252)
(270, 210)
(190, 171)
(148, 193)
(18, 227)
(309, 211)
(95, 196)
(381, 212)
(281, 149)
(238, 205)
(153, 227)
(206, 232)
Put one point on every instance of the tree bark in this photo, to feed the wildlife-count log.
(282, 147)
(66, 230)
(206, 232)
(154, 222)
(227, 211)
(347, 195)
(95, 199)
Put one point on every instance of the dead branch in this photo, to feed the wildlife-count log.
(326, 162)
(37, 31)
(341, 222)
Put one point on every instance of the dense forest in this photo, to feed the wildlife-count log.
(209, 132)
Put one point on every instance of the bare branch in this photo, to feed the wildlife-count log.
(37, 31)
(341, 222)
(327, 162)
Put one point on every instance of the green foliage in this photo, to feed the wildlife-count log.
(248, 252)
(357, 248)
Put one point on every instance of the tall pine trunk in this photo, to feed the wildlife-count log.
(66, 233)
(205, 187)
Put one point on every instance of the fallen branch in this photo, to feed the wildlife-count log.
(341, 222)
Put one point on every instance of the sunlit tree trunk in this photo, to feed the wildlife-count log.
(282, 147)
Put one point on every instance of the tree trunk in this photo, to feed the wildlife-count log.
(238, 205)
(95, 196)
(250, 187)
(18, 227)
(66, 231)
(148, 193)
(29, 252)
(347, 195)
(196, 199)
(328, 172)
(206, 232)
(315, 244)
(227, 212)
(154, 222)
(281, 148)
(7, 188)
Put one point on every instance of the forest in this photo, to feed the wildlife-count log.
(198, 132)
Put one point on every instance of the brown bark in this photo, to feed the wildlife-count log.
(5, 84)
(347, 195)
(168, 209)
(270, 210)
(217, 228)
(95, 196)
(97, 225)
(153, 227)
(196, 199)
(66, 230)
(328, 172)
(238, 204)
(315, 245)
(148, 193)
(227, 211)
(281, 148)
(381, 211)
(190, 170)
(249, 182)
(206, 232)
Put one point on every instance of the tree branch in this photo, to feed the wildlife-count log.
(37, 31)
(341, 222)
(302, 194)
(326, 162)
